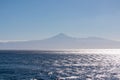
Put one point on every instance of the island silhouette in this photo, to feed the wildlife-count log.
(61, 41)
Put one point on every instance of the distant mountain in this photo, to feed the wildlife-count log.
(61, 41)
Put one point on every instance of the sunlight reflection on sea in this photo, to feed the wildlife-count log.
(82, 64)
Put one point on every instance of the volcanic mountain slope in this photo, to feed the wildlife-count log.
(61, 41)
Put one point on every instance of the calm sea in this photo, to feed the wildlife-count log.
(84, 64)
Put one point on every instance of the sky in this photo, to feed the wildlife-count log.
(39, 19)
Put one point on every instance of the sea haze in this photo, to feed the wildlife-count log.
(61, 41)
(60, 65)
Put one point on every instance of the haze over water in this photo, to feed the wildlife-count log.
(97, 64)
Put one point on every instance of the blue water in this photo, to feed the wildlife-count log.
(52, 65)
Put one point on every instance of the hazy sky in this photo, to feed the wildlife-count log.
(38, 19)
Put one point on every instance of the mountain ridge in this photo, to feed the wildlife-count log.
(62, 41)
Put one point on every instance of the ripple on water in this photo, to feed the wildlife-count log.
(59, 67)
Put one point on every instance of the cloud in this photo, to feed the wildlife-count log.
(5, 41)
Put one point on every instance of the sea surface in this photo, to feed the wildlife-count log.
(85, 64)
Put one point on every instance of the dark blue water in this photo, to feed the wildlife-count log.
(50, 65)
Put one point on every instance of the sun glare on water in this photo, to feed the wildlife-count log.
(94, 51)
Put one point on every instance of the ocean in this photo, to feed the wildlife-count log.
(85, 64)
